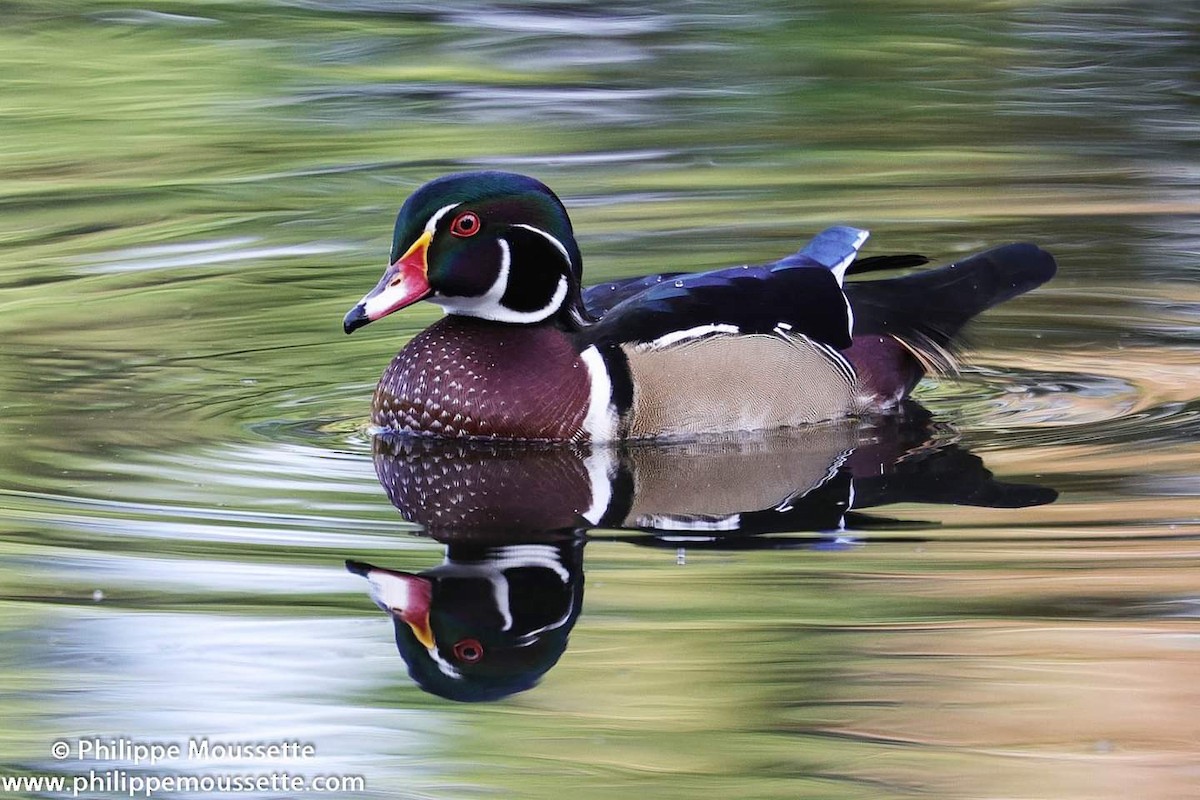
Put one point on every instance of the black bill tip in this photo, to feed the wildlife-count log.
(355, 319)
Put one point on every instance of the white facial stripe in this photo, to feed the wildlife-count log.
(488, 305)
(446, 668)
(689, 522)
(481, 305)
(601, 421)
(542, 556)
(505, 557)
(500, 594)
(431, 226)
(531, 636)
(561, 248)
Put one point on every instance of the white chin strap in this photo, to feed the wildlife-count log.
(489, 306)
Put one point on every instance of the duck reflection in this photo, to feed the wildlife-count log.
(496, 615)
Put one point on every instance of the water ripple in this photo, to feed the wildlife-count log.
(199, 254)
(1033, 406)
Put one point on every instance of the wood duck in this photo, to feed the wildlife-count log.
(497, 614)
(819, 478)
(525, 353)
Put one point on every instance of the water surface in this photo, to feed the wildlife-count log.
(194, 194)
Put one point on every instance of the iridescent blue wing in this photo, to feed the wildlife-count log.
(801, 294)
(601, 298)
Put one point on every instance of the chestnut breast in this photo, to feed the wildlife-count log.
(464, 376)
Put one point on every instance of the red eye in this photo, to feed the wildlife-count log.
(465, 224)
(468, 650)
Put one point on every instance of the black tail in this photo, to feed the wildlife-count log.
(934, 305)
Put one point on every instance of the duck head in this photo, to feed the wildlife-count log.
(487, 623)
(493, 245)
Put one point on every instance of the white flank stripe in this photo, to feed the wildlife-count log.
(837, 464)
(685, 522)
(838, 360)
(600, 424)
(674, 337)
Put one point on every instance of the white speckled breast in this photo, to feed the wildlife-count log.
(464, 376)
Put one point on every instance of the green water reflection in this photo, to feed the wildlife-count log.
(193, 193)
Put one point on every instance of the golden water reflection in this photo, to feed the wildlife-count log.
(190, 190)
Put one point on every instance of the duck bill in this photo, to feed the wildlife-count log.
(406, 597)
(403, 283)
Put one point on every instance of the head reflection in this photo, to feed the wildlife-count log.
(487, 623)
(496, 615)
